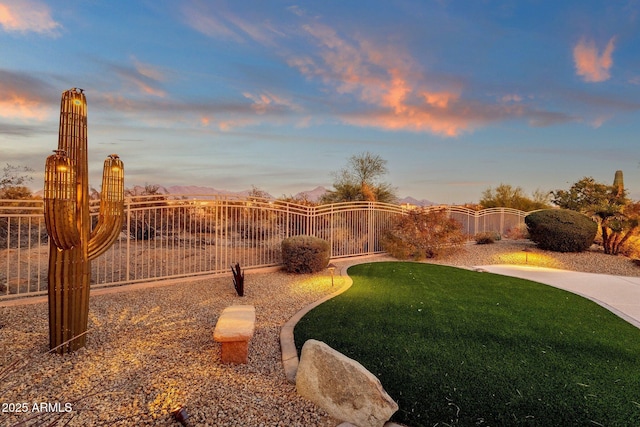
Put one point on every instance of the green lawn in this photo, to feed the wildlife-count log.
(457, 347)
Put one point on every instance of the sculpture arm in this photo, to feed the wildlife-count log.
(60, 201)
(111, 214)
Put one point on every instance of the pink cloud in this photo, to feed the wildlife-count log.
(440, 99)
(22, 97)
(266, 100)
(27, 16)
(140, 78)
(16, 106)
(592, 66)
(148, 78)
(388, 79)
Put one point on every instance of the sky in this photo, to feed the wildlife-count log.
(456, 96)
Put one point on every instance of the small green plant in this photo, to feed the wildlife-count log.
(423, 234)
(487, 237)
(561, 230)
(305, 254)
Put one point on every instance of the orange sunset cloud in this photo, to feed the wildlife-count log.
(592, 66)
(15, 106)
(387, 79)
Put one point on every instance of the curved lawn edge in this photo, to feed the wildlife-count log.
(559, 356)
(287, 341)
(617, 296)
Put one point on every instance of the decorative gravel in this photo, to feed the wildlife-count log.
(150, 350)
(524, 252)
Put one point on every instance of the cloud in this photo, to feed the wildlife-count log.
(216, 22)
(266, 101)
(396, 93)
(539, 118)
(590, 65)
(511, 98)
(23, 97)
(140, 77)
(28, 16)
(200, 18)
(600, 120)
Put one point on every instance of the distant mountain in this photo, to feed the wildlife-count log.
(197, 190)
(140, 189)
(312, 195)
(412, 201)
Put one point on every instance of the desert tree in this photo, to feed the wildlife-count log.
(13, 182)
(256, 193)
(617, 216)
(507, 196)
(361, 180)
(145, 212)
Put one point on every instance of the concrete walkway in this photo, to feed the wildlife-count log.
(618, 294)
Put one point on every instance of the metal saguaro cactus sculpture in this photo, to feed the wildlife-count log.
(66, 207)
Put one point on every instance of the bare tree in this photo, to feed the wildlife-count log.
(360, 180)
(13, 182)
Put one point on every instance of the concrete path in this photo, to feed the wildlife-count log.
(618, 294)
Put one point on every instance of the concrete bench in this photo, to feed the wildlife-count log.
(234, 329)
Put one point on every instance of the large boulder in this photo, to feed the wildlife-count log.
(344, 388)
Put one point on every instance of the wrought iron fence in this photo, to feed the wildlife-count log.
(176, 236)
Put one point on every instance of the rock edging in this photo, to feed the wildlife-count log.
(290, 359)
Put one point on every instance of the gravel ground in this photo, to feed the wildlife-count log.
(152, 349)
(513, 252)
(149, 350)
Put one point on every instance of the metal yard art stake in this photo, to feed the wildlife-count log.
(66, 208)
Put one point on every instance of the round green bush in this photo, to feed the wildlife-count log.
(305, 254)
(487, 237)
(561, 230)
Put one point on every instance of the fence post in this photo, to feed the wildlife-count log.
(127, 208)
(476, 218)
(331, 233)
(370, 228)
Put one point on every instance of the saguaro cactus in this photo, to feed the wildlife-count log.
(618, 183)
(72, 242)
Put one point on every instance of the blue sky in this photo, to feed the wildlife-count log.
(457, 96)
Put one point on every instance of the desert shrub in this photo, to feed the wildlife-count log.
(487, 237)
(305, 254)
(423, 234)
(631, 248)
(21, 234)
(518, 232)
(141, 230)
(561, 230)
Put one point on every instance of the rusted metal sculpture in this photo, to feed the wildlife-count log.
(72, 242)
(238, 279)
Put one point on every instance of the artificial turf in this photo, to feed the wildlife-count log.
(458, 347)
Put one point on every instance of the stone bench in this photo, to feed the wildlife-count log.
(234, 329)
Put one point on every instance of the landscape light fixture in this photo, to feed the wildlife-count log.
(180, 414)
(526, 255)
(331, 269)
